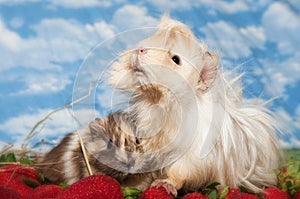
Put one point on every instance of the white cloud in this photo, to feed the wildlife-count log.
(288, 123)
(277, 75)
(22, 124)
(57, 125)
(255, 36)
(284, 144)
(101, 28)
(284, 119)
(80, 4)
(229, 7)
(56, 40)
(292, 142)
(289, 126)
(43, 83)
(233, 42)
(73, 4)
(131, 17)
(297, 118)
(295, 142)
(282, 25)
(19, 127)
(69, 40)
(175, 4)
(9, 40)
(13, 2)
(222, 6)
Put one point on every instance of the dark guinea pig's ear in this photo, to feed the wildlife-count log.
(209, 71)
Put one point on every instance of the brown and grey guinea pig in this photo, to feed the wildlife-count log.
(186, 127)
(109, 151)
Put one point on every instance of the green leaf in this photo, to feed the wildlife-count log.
(129, 191)
(277, 172)
(43, 179)
(26, 161)
(63, 185)
(243, 189)
(212, 186)
(224, 192)
(30, 183)
(213, 194)
(131, 197)
(10, 157)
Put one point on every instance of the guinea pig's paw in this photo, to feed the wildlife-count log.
(167, 184)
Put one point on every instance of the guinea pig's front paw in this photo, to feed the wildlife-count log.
(167, 184)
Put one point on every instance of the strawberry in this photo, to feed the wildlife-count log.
(275, 193)
(194, 195)
(233, 193)
(95, 186)
(155, 193)
(249, 196)
(297, 195)
(9, 193)
(45, 191)
(14, 176)
(20, 169)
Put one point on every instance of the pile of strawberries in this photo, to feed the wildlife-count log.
(22, 181)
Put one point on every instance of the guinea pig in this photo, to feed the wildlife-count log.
(187, 124)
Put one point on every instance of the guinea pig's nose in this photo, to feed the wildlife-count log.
(142, 51)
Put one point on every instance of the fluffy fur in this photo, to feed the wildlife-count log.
(188, 111)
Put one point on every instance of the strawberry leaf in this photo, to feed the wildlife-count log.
(63, 185)
(131, 193)
(224, 192)
(26, 161)
(43, 179)
(243, 189)
(30, 183)
(209, 188)
(10, 157)
(212, 186)
(213, 194)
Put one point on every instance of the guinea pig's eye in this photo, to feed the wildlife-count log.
(176, 59)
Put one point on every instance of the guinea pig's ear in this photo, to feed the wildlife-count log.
(209, 71)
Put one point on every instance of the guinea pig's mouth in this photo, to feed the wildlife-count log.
(136, 65)
(138, 71)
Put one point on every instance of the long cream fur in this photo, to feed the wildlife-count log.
(233, 143)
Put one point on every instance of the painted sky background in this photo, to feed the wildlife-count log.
(43, 44)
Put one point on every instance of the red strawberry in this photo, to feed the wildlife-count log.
(275, 193)
(194, 195)
(27, 171)
(8, 193)
(249, 196)
(45, 191)
(95, 186)
(234, 193)
(155, 193)
(297, 195)
(283, 170)
(12, 176)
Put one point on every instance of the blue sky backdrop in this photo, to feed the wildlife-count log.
(43, 44)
